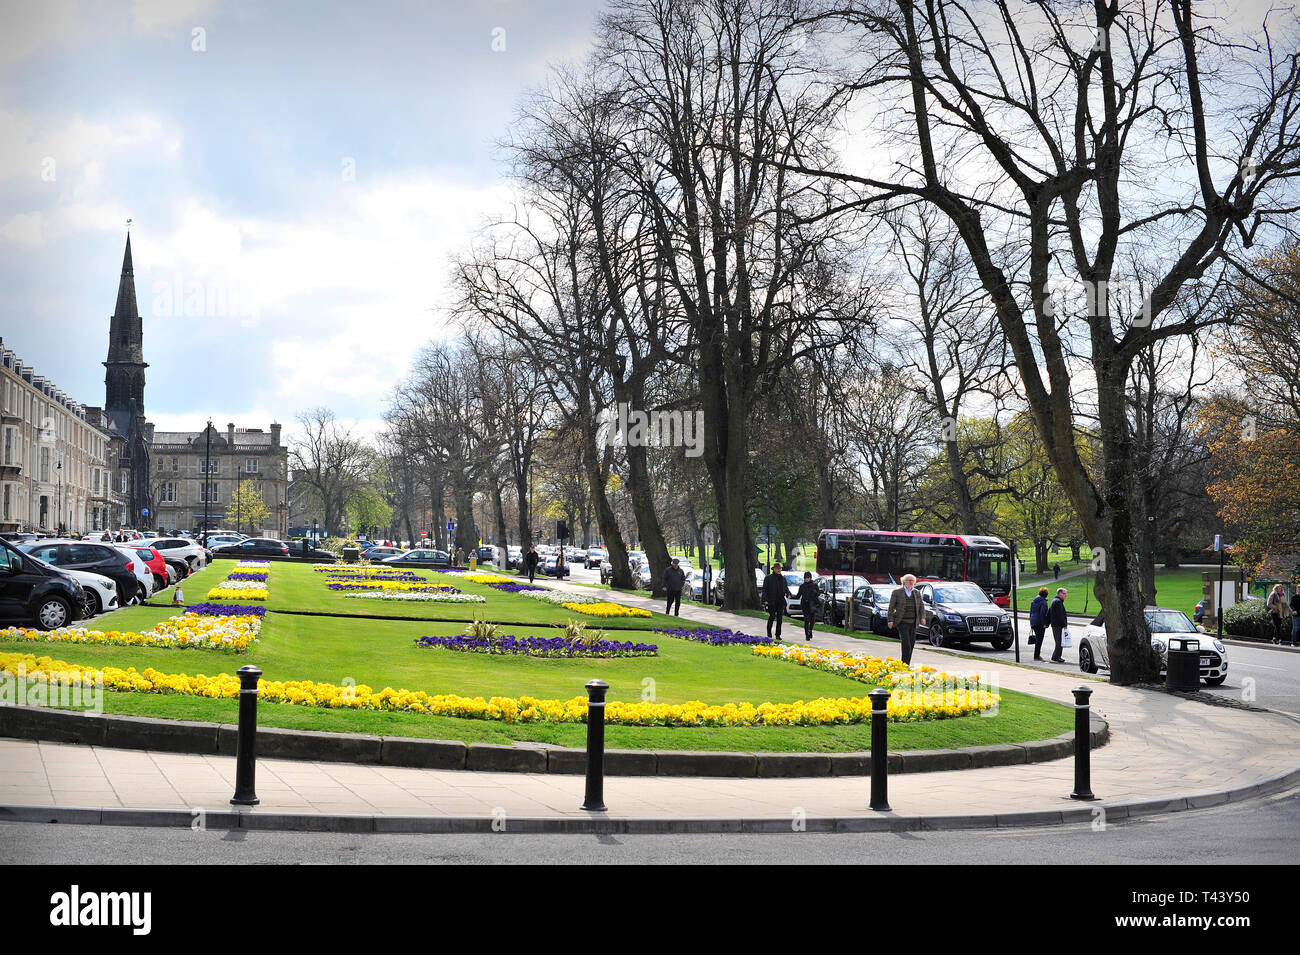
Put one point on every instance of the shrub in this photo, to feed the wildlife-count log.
(1248, 619)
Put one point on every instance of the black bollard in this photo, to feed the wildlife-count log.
(880, 749)
(1082, 744)
(246, 748)
(595, 799)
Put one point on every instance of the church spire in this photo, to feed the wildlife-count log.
(126, 331)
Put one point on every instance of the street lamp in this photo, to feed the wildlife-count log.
(207, 472)
(58, 468)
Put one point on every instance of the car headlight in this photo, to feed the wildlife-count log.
(1158, 644)
(951, 617)
(1219, 646)
(1005, 618)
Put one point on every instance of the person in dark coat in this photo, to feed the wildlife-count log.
(775, 593)
(1059, 621)
(808, 594)
(1038, 622)
(674, 580)
(906, 611)
(1295, 615)
(530, 563)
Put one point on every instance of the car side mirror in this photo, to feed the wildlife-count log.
(927, 598)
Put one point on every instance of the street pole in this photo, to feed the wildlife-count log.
(207, 474)
(1015, 584)
(1218, 598)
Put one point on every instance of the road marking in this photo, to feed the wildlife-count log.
(1255, 666)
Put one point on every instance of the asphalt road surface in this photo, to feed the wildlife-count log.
(1263, 831)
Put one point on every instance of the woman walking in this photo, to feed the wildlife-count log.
(1038, 621)
(1276, 604)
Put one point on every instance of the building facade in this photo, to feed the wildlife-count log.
(58, 466)
(195, 475)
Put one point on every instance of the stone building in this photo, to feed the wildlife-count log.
(196, 473)
(58, 465)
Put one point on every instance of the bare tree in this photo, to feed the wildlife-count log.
(331, 460)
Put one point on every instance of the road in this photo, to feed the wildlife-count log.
(1265, 831)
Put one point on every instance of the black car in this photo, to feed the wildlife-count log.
(305, 548)
(254, 547)
(38, 594)
(871, 607)
(963, 613)
(552, 567)
(103, 559)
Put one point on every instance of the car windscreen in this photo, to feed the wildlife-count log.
(1169, 621)
(960, 594)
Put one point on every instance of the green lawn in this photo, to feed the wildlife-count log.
(382, 653)
(298, 587)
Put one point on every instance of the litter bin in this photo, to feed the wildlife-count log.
(1183, 664)
(351, 555)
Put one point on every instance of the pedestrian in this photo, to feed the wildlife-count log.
(1276, 604)
(1057, 618)
(775, 593)
(1295, 615)
(1056, 571)
(530, 563)
(1038, 621)
(460, 556)
(674, 580)
(808, 594)
(906, 610)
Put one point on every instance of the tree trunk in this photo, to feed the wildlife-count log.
(597, 476)
(963, 504)
(499, 513)
(647, 520)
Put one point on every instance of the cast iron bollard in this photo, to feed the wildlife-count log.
(595, 799)
(246, 748)
(879, 749)
(1082, 744)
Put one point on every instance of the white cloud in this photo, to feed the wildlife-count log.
(152, 16)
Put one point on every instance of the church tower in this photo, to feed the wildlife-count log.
(124, 381)
(124, 395)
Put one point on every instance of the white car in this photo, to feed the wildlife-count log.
(177, 547)
(140, 569)
(100, 592)
(1162, 623)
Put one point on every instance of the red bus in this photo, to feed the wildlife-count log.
(883, 557)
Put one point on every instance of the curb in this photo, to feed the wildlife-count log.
(208, 739)
(227, 819)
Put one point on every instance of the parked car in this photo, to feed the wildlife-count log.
(152, 559)
(253, 547)
(1162, 623)
(126, 571)
(36, 593)
(961, 612)
(871, 607)
(420, 558)
(594, 557)
(831, 605)
(514, 557)
(178, 547)
(99, 593)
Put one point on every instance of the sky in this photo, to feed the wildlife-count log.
(298, 176)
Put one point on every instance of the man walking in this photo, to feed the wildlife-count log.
(1058, 620)
(906, 610)
(775, 593)
(807, 595)
(530, 563)
(674, 580)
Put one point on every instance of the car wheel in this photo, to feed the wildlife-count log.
(91, 605)
(1002, 643)
(936, 637)
(1215, 680)
(1086, 663)
(52, 613)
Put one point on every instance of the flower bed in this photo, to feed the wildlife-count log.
(190, 631)
(447, 595)
(396, 575)
(247, 575)
(356, 570)
(716, 638)
(239, 590)
(226, 610)
(600, 608)
(540, 646)
(253, 565)
(395, 585)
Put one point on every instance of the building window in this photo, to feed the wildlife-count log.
(123, 482)
(250, 466)
(94, 482)
(6, 505)
(169, 492)
(208, 493)
(45, 469)
(176, 464)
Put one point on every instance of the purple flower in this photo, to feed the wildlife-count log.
(715, 637)
(539, 646)
(226, 610)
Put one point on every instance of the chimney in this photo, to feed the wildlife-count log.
(275, 434)
(230, 435)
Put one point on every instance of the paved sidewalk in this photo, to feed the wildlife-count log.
(1161, 747)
